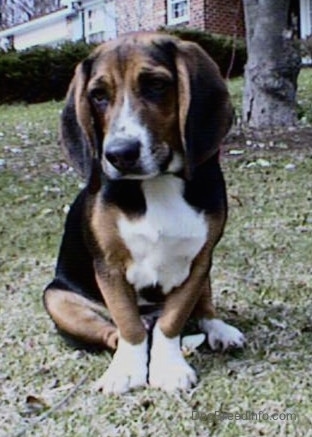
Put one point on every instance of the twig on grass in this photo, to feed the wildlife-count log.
(54, 408)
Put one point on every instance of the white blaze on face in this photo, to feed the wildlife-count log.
(128, 126)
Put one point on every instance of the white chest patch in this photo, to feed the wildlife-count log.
(164, 242)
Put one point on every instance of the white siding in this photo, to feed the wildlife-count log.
(98, 17)
(51, 34)
(110, 21)
(100, 22)
(305, 18)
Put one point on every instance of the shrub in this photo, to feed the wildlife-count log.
(39, 74)
(219, 47)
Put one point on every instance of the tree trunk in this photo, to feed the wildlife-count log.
(272, 67)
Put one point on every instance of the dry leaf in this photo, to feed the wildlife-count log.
(35, 404)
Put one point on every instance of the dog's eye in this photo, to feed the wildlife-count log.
(154, 87)
(158, 85)
(99, 96)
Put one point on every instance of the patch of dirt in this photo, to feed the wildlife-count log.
(291, 138)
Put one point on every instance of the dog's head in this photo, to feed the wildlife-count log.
(145, 104)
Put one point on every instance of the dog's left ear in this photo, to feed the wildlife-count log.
(205, 111)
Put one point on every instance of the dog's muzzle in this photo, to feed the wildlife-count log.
(128, 158)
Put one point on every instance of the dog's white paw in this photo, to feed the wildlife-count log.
(168, 369)
(127, 370)
(171, 375)
(221, 335)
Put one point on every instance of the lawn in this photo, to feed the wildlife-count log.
(262, 279)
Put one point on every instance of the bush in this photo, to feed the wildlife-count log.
(40, 73)
(219, 47)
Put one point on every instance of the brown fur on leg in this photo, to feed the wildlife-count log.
(204, 308)
(80, 318)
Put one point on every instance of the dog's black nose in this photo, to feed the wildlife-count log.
(123, 154)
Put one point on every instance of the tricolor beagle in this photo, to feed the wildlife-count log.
(143, 121)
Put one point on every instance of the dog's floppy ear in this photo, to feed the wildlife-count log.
(77, 132)
(205, 112)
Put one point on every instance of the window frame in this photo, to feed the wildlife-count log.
(177, 20)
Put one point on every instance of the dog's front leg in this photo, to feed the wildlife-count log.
(168, 368)
(128, 368)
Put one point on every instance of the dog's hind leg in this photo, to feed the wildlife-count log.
(80, 320)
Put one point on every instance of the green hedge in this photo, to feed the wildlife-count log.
(40, 73)
(43, 73)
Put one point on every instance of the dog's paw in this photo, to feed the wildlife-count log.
(127, 370)
(221, 335)
(171, 375)
(168, 369)
(120, 378)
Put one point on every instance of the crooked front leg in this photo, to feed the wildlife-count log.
(128, 368)
(168, 368)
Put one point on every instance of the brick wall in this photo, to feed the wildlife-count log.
(224, 16)
(215, 16)
(197, 15)
(160, 13)
(140, 15)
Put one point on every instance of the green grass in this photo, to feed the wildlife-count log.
(235, 86)
(261, 278)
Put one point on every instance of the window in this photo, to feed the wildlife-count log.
(90, 21)
(178, 11)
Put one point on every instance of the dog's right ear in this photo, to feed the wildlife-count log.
(78, 138)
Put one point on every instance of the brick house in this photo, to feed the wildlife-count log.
(100, 20)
